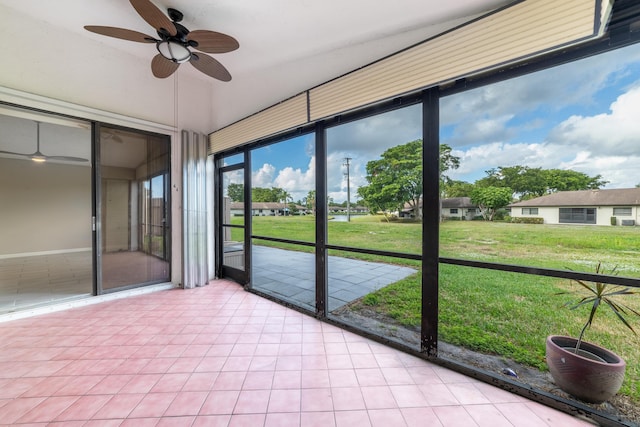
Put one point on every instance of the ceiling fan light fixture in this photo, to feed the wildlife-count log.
(174, 42)
(38, 159)
(174, 51)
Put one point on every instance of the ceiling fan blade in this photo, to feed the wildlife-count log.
(210, 66)
(15, 154)
(67, 158)
(154, 16)
(162, 68)
(213, 42)
(120, 33)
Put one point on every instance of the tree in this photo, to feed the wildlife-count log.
(490, 199)
(288, 200)
(273, 194)
(236, 192)
(377, 201)
(279, 195)
(457, 189)
(259, 194)
(447, 162)
(395, 179)
(527, 182)
(568, 180)
(310, 201)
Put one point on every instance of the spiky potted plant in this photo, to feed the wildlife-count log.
(584, 370)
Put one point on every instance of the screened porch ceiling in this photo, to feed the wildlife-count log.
(286, 46)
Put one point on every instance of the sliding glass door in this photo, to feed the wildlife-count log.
(133, 196)
(232, 234)
(45, 209)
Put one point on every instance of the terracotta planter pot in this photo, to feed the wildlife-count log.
(593, 375)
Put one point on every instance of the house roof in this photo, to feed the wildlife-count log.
(338, 207)
(457, 202)
(614, 197)
(264, 205)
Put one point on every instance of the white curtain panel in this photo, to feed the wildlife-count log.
(195, 218)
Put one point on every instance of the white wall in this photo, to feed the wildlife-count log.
(44, 207)
(606, 212)
(551, 215)
(463, 213)
(106, 84)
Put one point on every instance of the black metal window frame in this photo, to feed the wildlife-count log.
(621, 33)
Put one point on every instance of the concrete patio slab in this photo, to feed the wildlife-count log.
(290, 276)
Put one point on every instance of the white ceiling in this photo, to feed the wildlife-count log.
(286, 46)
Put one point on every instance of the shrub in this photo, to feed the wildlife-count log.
(614, 220)
(528, 220)
(500, 214)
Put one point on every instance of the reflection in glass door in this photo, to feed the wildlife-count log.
(153, 214)
(134, 207)
(45, 209)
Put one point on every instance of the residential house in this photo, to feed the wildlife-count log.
(594, 207)
(459, 208)
(265, 209)
(342, 210)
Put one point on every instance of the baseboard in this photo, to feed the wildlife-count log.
(82, 302)
(41, 253)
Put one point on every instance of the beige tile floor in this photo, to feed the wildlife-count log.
(34, 281)
(220, 356)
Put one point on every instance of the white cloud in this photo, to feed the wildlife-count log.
(371, 136)
(296, 180)
(502, 124)
(614, 133)
(263, 177)
(620, 171)
(476, 160)
(527, 121)
(571, 84)
(604, 144)
(481, 130)
(336, 175)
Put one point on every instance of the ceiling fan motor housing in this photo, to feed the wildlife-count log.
(175, 48)
(175, 15)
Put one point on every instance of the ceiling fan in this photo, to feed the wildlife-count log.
(174, 42)
(39, 157)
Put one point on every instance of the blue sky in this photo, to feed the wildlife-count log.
(583, 116)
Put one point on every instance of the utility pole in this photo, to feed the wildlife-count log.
(346, 163)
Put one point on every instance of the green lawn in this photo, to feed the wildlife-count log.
(502, 313)
(553, 246)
